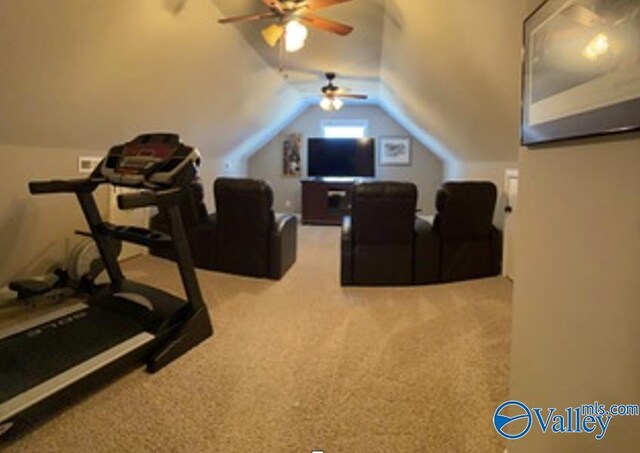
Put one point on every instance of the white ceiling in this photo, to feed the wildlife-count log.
(88, 73)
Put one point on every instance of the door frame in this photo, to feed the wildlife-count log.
(509, 174)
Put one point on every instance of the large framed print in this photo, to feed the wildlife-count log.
(581, 70)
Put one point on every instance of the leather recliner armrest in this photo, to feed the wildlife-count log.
(157, 223)
(346, 253)
(284, 245)
(426, 255)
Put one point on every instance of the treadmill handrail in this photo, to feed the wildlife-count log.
(65, 185)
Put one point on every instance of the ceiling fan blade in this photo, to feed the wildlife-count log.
(352, 96)
(326, 24)
(319, 4)
(272, 34)
(274, 5)
(228, 20)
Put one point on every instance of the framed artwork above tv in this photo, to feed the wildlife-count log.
(581, 70)
(395, 151)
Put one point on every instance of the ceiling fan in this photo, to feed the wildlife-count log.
(291, 15)
(332, 95)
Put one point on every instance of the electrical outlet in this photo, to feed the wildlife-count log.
(287, 204)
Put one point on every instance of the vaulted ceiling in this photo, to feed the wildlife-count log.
(86, 73)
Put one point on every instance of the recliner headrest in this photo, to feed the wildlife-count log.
(465, 209)
(383, 212)
(243, 206)
(245, 188)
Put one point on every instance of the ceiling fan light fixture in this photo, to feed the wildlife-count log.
(326, 104)
(331, 104)
(290, 33)
(597, 47)
(272, 34)
(295, 36)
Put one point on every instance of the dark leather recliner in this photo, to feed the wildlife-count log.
(251, 239)
(243, 237)
(462, 243)
(384, 243)
(379, 237)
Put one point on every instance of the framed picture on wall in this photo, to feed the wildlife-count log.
(395, 151)
(291, 161)
(581, 70)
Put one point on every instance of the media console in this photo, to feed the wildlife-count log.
(326, 200)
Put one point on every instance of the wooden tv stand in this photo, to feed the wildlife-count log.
(325, 200)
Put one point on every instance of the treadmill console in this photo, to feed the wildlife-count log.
(155, 159)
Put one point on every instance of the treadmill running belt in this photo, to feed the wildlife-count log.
(32, 357)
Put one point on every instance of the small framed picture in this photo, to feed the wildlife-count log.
(395, 151)
(291, 164)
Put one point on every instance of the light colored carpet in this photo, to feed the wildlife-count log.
(303, 364)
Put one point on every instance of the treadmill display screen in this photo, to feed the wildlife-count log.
(156, 151)
(143, 157)
(149, 159)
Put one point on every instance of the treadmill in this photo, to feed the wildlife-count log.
(43, 360)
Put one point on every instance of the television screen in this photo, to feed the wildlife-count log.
(353, 157)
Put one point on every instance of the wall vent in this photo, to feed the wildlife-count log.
(86, 164)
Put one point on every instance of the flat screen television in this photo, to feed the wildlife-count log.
(345, 157)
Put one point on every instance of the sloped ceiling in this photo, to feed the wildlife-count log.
(453, 66)
(86, 73)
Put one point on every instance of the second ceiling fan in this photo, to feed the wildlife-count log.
(291, 17)
(332, 95)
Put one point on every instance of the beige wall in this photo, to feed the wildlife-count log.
(577, 296)
(426, 169)
(36, 233)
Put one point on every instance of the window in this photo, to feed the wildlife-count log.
(345, 128)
